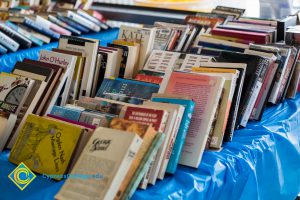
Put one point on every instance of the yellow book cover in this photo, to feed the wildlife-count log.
(147, 133)
(45, 145)
(125, 42)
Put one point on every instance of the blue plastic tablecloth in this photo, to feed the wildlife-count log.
(262, 162)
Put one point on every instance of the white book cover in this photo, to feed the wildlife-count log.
(160, 61)
(160, 158)
(89, 47)
(83, 21)
(49, 25)
(206, 92)
(66, 61)
(145, 36)
(193, 60)
(108, 156)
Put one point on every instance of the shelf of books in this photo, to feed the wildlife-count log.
(205, 109)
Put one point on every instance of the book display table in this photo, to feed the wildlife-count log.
(262, 161)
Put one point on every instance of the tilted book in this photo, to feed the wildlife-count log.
(108, 154)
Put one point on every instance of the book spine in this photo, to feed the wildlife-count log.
(73, 24)
(144, 165)
(8, 42)
(179, 142)
(70, 114)
(62, 24)
(82, 21)
(24, 42)
(247, 108)
(170, 145)
(28, 35)
(3, 50)
(28, 22)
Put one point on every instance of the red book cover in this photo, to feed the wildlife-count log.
(149, 79)
(258, 38)
(156, 118)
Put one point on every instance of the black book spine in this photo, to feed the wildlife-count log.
(24, 42)
(249, 92)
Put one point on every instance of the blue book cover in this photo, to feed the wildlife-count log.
(183, 129)
(67, 113)
(127, 90)
(73, 24)
(3, 50)
(32, 24)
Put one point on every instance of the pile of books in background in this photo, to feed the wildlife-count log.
(156, 97)
(24, 28)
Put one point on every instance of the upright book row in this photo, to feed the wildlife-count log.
(128, 113)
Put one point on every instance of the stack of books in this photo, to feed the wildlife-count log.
(155, 97)
(22, 30)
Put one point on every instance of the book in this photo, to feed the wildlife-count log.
(230, 76)
(83, 21)
(96, 21)
(35, 34)
(160, 61)
(51, 26)
(7, 123)
(8, 43)
(147, 133)
(72, 24)
(129, 91)
(143, 167)
(63, 24)
(25, 33)
(108, 153)
(96, 118)
(33, 25)
(205, 91)
(66, 112)
(13, 92)
(89, 47)
(163, 155)
(145, 36)
(174, 154)
(193, 60)
(292, 90)
(14, 35)
(45, 145)
(68, 63)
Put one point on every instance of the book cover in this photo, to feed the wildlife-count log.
(73, 24)
(45, 145)
(83, 21)
(96, 118)
(7, 123)
(8, 43)
(13, 92)
(58, 22)
(108, 154)
(19, 38)
(33, 25)
(205, 91)
(127, 88)
(49, 25)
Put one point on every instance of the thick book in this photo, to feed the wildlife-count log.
(45, 145)
(108, 153)
(205, 91)
(147, 133)
(89, 47)
(189, 106)
(125, 90)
